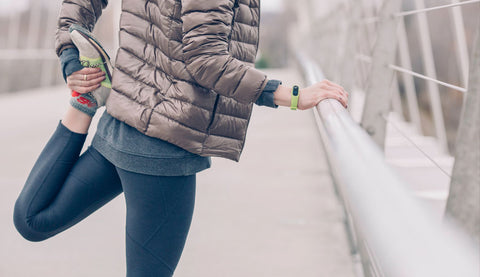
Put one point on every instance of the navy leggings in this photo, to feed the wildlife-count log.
(63, 188)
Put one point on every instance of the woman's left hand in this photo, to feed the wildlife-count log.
(85, 80)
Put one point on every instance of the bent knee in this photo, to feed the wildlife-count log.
(24, 226)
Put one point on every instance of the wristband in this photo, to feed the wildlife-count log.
(294, 101)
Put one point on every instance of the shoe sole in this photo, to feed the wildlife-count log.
(103, 54)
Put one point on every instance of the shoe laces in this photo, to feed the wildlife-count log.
(91, 65)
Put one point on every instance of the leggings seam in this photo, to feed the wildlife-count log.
(81, 214)
(85, 210)
(73, 219)
(149, 252)
(167, 217)
(28, 216)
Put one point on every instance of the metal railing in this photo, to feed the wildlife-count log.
(428, 61)
(364, 45)
(27, 56)
(353, 32)
(391, 232)
(28, 38)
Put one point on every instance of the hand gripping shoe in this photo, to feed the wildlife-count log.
(92, 54)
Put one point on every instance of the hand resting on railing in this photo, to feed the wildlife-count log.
(309, 97)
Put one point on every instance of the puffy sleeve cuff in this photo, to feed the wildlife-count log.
(267, 97)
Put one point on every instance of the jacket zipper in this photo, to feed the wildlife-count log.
(214, 112)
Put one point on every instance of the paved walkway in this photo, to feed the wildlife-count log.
(273, 214)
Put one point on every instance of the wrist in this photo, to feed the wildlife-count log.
(282, 96)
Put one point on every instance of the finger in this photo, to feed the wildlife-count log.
(335, 90)
(84, 84)
(337, 96)
(89, 70)
(95, 75)
(328, 85)
(79, 77)
(83, 90)
(86, 71)
(89, 77)
(95, 81)
(332, 84)
(73, 83)
(337, 86)
(342, 93)
(344, 102)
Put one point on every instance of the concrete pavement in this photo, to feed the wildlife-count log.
(273, 214)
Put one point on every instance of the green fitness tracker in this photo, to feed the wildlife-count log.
(294, 101)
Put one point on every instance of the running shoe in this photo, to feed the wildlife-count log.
(92, 54)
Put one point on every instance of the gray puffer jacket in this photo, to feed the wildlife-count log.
(184, 69)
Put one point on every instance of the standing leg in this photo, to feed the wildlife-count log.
(63, 188)
(159, 213)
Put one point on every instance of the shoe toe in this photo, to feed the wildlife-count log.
(85, 48)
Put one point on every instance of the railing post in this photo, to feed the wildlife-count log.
(463, 204)
(460, 37)
(378, 98)
(408, 82)
(396, 97)
(430, 71)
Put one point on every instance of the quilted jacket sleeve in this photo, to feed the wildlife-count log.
(207, 26)
(82, 12)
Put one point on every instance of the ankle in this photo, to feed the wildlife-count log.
(85, 103)
(76, 121)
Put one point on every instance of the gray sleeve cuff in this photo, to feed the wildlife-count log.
(266, 98)
(69, 62)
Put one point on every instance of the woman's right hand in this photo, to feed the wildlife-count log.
(309, 97)
(85, 80)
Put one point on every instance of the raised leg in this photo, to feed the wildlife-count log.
(63, 188)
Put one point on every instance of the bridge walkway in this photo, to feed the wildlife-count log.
(273, 214)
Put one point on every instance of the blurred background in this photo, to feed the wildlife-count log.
(307, 219)
(27, 29)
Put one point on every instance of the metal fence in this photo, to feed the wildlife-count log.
(349, 35)
(391, 234)
(27, 58)
(385, 51)
(27, 36)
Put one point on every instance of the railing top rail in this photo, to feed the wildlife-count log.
(405, 239)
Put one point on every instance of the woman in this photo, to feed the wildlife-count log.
(183, 88)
